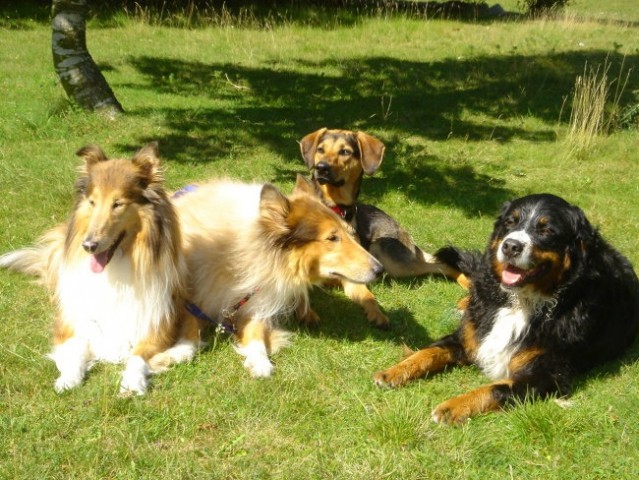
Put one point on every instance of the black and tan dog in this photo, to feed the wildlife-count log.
(549, 299)
(338, 160)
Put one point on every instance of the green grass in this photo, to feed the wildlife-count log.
(472, 114)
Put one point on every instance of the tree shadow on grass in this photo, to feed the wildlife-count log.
(273, 106)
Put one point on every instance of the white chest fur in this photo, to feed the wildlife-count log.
(497, 348)
(109, 310)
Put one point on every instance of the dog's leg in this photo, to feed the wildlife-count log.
(431, 359)
(362, 296)
(408, 260)
(183, 350)
(253, 343)
(135, 378)
(71, 358)
(532, 375)
(305, 314)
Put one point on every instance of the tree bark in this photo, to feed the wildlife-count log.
(80, 76)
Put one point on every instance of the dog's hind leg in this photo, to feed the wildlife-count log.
(401, 261)
(362, 296)
(183, 350)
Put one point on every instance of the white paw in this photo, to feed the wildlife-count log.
(259, 367)
(256, 361)
(135, 377)
(67, 382)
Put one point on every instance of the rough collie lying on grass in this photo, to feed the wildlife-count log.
(116, 269)
(253, 253)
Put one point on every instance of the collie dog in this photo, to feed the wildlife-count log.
(549, 299)
(253, 253)
(117, 272)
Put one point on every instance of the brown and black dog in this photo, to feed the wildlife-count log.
(338, 160)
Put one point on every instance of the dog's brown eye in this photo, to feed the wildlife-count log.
(320, 150)
(333, 238)
(345, 152)
(91, 202)
(117, 204)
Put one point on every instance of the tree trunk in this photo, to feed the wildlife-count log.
(78, 73)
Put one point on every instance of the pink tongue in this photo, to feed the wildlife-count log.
(511, 275)
(99, 261)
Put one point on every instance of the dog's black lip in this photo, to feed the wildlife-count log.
(115, 246)
(322, 180)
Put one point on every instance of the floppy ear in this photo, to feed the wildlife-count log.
(91, 154)
(308, 145)
(586, 236)
(148, 163)
(372, 152)
(303, 185)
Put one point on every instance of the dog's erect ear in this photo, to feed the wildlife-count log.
(308, 145)
(274, 206)
(304, 185)
(148, 162)
(91, 154)
(372, 152)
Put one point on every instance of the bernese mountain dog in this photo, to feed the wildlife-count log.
(549, 299)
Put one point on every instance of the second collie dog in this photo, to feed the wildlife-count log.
(253, 253)
(117, 273)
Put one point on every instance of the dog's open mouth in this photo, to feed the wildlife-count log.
(100, 260)
(512, 276)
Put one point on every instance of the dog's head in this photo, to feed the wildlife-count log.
(109, 195)
(339, 158)
(318, 243)
(537, 241)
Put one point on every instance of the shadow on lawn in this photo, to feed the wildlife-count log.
(275, 106)
(342, 319)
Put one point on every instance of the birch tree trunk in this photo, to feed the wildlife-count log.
(78, 73)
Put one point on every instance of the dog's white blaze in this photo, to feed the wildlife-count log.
(523, 260)
(497, 348)
(110, 311)
(256, 360)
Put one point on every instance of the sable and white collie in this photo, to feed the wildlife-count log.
(549, 299)
(116, 270)
(253, 253)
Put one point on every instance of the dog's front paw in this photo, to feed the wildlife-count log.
(256, 361)
(259, 367)
(308, 318)
(391, 377)
(135, 377)
(67, 382)
(451, 412)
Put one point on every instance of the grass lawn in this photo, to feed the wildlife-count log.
(472, 114)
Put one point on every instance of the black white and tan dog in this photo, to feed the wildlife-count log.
(549, 299)
(338, 160)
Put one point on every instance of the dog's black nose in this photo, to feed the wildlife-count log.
(323, 167)
(512, 248)
(90, 246)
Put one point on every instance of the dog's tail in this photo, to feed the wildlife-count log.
(31, 260)
(467, 262)
(41, 260)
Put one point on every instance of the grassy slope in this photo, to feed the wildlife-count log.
(469, 113)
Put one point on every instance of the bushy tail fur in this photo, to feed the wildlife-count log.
(31, 261)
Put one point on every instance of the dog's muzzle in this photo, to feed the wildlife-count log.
(324, 175)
